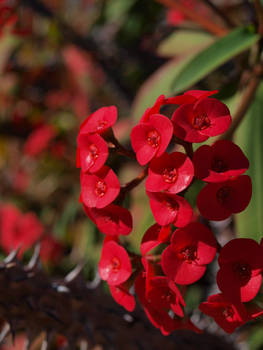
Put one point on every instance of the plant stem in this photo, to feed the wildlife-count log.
(135, 182)
(246, 100)
(220, 13)
(259, 12)
(204, 22)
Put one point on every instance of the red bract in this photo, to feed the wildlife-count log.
(217, 201)
(196, 122)
(227, 315)
(151, 139)
(239, 277)
(165, 295)
(191, 249)
(111, 220)
(190, 96)
(171, 172)
(51, 250)
(219, 162)
(39, 140)
(99, 121)
(170, 209)
(114, 266)
(18, 229)
(93, 152)
(99, 189)
(155, 109)
(154, 236)
(159, 317)
(123, 297)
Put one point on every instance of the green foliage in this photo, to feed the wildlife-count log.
(158, 83)
(249, 137)
(214, 56)
(182, 41)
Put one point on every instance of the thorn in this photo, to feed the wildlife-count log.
(46, 342)
(12, 256)
(33, 262)
(74, 274)
(62, 289)
(27, 344)
(4, 331)
(95, 282)
(83, 345)
(44, 345)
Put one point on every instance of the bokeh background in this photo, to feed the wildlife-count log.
(60, 60)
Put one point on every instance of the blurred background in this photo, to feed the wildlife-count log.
(60, 60)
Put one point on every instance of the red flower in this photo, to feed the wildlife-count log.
(51, 250)
(171, 172)
(191, 249)
(122, 296)
(93, 152)
(18, 229)
(168, 208)
(227, 315)
(165, 295)
(190, 96)
(151, 139)
(196, 122)
(219, 162)
(114, 266)
(155, 109)
(112, 220)
(239, 277)
(99, 189)
(154, 236)
(217, 201)
(39, 140)
(159, 317)
(174, 17)
(99, 121)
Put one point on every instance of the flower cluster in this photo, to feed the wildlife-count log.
(185, 246)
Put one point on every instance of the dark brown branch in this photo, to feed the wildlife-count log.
(259, 12)
(220, 13)
(246, 100)
(33, 302)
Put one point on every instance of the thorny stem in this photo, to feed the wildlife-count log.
(246, 100)
(204, 22)
(220, 13)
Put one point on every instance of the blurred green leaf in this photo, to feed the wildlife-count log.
(256, 338)
(159, 83)
(116, 9)
(8, 43)
(214, 56)
(68, 216)
(182, 41)
(249, 137)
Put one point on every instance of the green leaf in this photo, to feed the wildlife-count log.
(182, 41)
(116, 9)
(158, 83)
(249, 137)
(214, 56)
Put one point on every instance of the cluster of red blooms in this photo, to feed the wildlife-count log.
(18, 230)
(160, 280)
